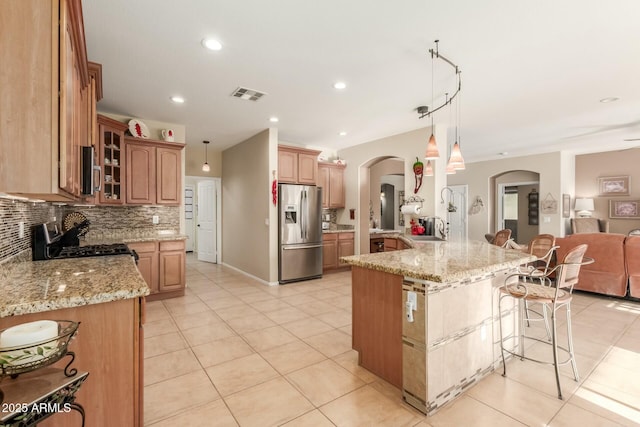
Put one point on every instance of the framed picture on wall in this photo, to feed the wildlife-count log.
(624, 209)
(614, 185)
(566, 206)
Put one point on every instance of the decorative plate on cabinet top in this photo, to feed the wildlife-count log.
(138, 129)
(72, 219)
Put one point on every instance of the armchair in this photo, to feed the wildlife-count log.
(589, 225)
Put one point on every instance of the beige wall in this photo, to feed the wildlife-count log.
(376, 172)
(613, 163)
(248, 216)
(406, 146)
(526, 232)
(478, 176)
(194, 159)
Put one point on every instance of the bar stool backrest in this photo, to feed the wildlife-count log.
(570, 267)
(501, 237)
(542, 247)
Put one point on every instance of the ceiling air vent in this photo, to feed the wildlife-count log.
(247, 94)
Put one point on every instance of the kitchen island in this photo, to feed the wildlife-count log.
(448, 341)
(106, 295)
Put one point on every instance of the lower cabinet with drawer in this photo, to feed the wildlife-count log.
(334, 246)
(162, 265)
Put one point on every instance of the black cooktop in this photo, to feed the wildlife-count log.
(94, 250)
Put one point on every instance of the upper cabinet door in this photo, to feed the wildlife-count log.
(287, 167)
(169, 180)
(141, 174)
(307, 168)
(336, 184)
(323, 181)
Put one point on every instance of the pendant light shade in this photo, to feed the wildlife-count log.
(450, 169)
(432, 149)
(205, 166)
(428, 169)
(456, 159)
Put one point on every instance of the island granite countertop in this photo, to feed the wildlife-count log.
(442, 262)
(35, 286)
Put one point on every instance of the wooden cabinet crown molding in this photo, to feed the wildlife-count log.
(74, 7)
(154, 142)
(95, 72)
(299, 150)
(108, 121)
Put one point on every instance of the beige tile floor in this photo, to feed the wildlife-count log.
(236, 352)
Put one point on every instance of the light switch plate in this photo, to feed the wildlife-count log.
(156, 219)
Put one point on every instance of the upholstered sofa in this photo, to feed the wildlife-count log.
(617, 262)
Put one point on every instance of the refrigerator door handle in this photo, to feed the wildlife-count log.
(303, 225)
(284, 248)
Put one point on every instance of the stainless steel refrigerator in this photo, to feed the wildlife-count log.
(300, 238)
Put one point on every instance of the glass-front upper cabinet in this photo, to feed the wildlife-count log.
(111, 158)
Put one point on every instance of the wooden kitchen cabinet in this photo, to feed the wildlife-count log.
(111, 159)
(147, 263)
(163, 266)
(154, 172)
(108, 346)
(331, 179)
(334, 246)
(297, 165)
(345, 246)
(43, 98)
(329, 251)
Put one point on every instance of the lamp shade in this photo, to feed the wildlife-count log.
(584, 207)
(456, 159)
(428, 170)
(432, 149)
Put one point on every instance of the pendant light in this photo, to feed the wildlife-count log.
(432, 148)
(450, 169)
(428, 169)
(205, 167)
(456, 155)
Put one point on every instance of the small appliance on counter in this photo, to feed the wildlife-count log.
(48, 243)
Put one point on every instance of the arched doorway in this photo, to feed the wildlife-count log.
(510, 204)
(378, 176)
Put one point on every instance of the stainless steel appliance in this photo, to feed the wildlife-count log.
(48, 243)
(300, 237)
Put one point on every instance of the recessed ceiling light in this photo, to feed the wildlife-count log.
(504, 153)
(343, 133)
(609, 99)
(177, 99)
(274, 120)
(339, 85)
(211, 44)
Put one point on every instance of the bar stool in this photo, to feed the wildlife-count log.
(536, 287)
(501, 237)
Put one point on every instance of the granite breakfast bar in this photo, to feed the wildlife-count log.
(106, 295)
(446, 342)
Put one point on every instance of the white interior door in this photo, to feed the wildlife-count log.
(458, 229)
(206, 221)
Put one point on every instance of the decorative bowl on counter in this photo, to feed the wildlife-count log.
(24, 358)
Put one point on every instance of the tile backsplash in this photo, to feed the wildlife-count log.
(105, 221)
(12, 213)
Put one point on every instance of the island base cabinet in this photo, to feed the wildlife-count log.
(108, 346)
(377, 322)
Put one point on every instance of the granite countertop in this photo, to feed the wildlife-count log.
(349, 230)
(36, 286)
(128, 238)
(442, 262)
